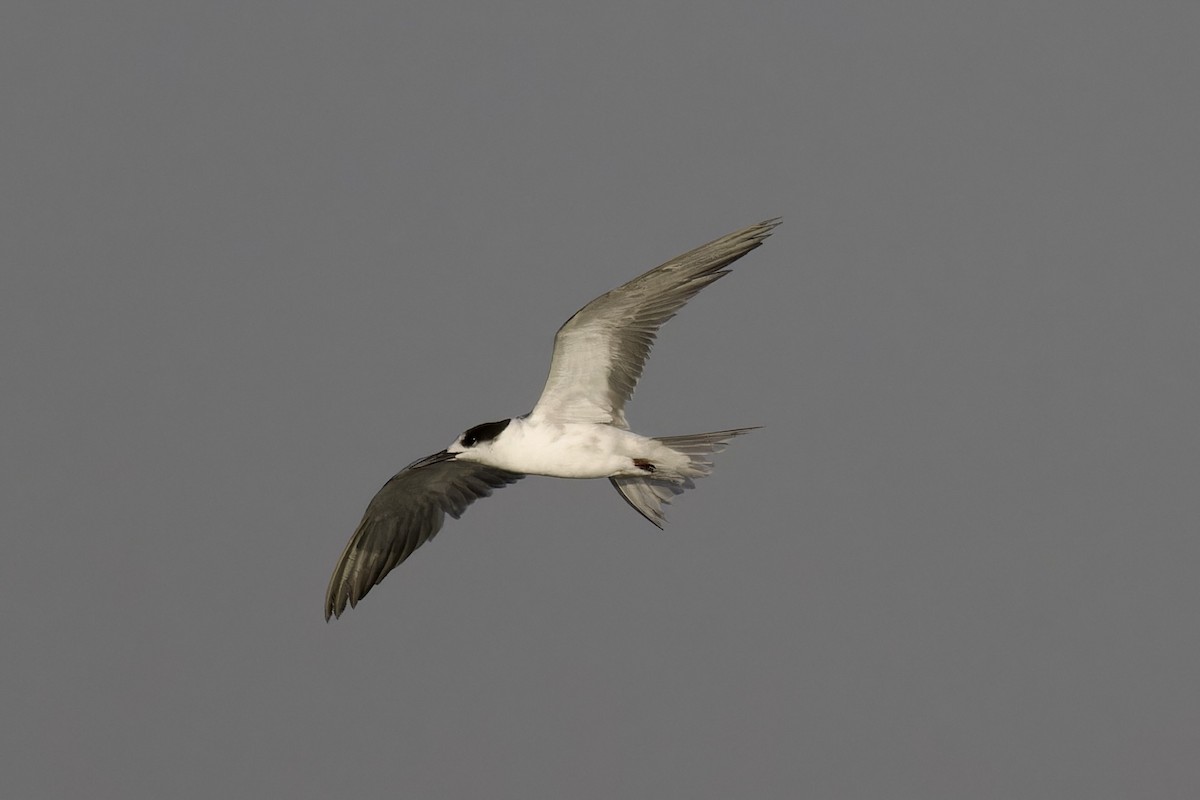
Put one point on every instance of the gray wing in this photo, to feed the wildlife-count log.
(600, 352)
(407, 512)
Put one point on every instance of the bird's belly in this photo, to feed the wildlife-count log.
(571, 451)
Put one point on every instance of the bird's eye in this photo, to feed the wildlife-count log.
(469, 441)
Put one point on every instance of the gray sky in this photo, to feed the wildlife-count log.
(255, 259)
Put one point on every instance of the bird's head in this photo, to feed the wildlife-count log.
(478, 440)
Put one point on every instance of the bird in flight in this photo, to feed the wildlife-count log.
(577, 429)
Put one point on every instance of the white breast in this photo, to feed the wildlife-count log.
(566, 450)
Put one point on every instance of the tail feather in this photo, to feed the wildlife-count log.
(648, 495)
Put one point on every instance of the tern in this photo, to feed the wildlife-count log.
(577, 429)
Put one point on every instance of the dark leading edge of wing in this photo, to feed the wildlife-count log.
(407, 512)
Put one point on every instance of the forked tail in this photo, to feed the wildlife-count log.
(648, 495)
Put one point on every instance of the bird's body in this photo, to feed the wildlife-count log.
(577, 429)
(573, 450)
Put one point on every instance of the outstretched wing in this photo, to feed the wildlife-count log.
(407, 512)
(600, 352)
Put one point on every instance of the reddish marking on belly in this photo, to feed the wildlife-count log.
(642, 463)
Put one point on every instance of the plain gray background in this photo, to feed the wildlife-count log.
(256, 258)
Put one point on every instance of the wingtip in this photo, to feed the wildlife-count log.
(755, 235)
(767, 227)
(335, 608)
